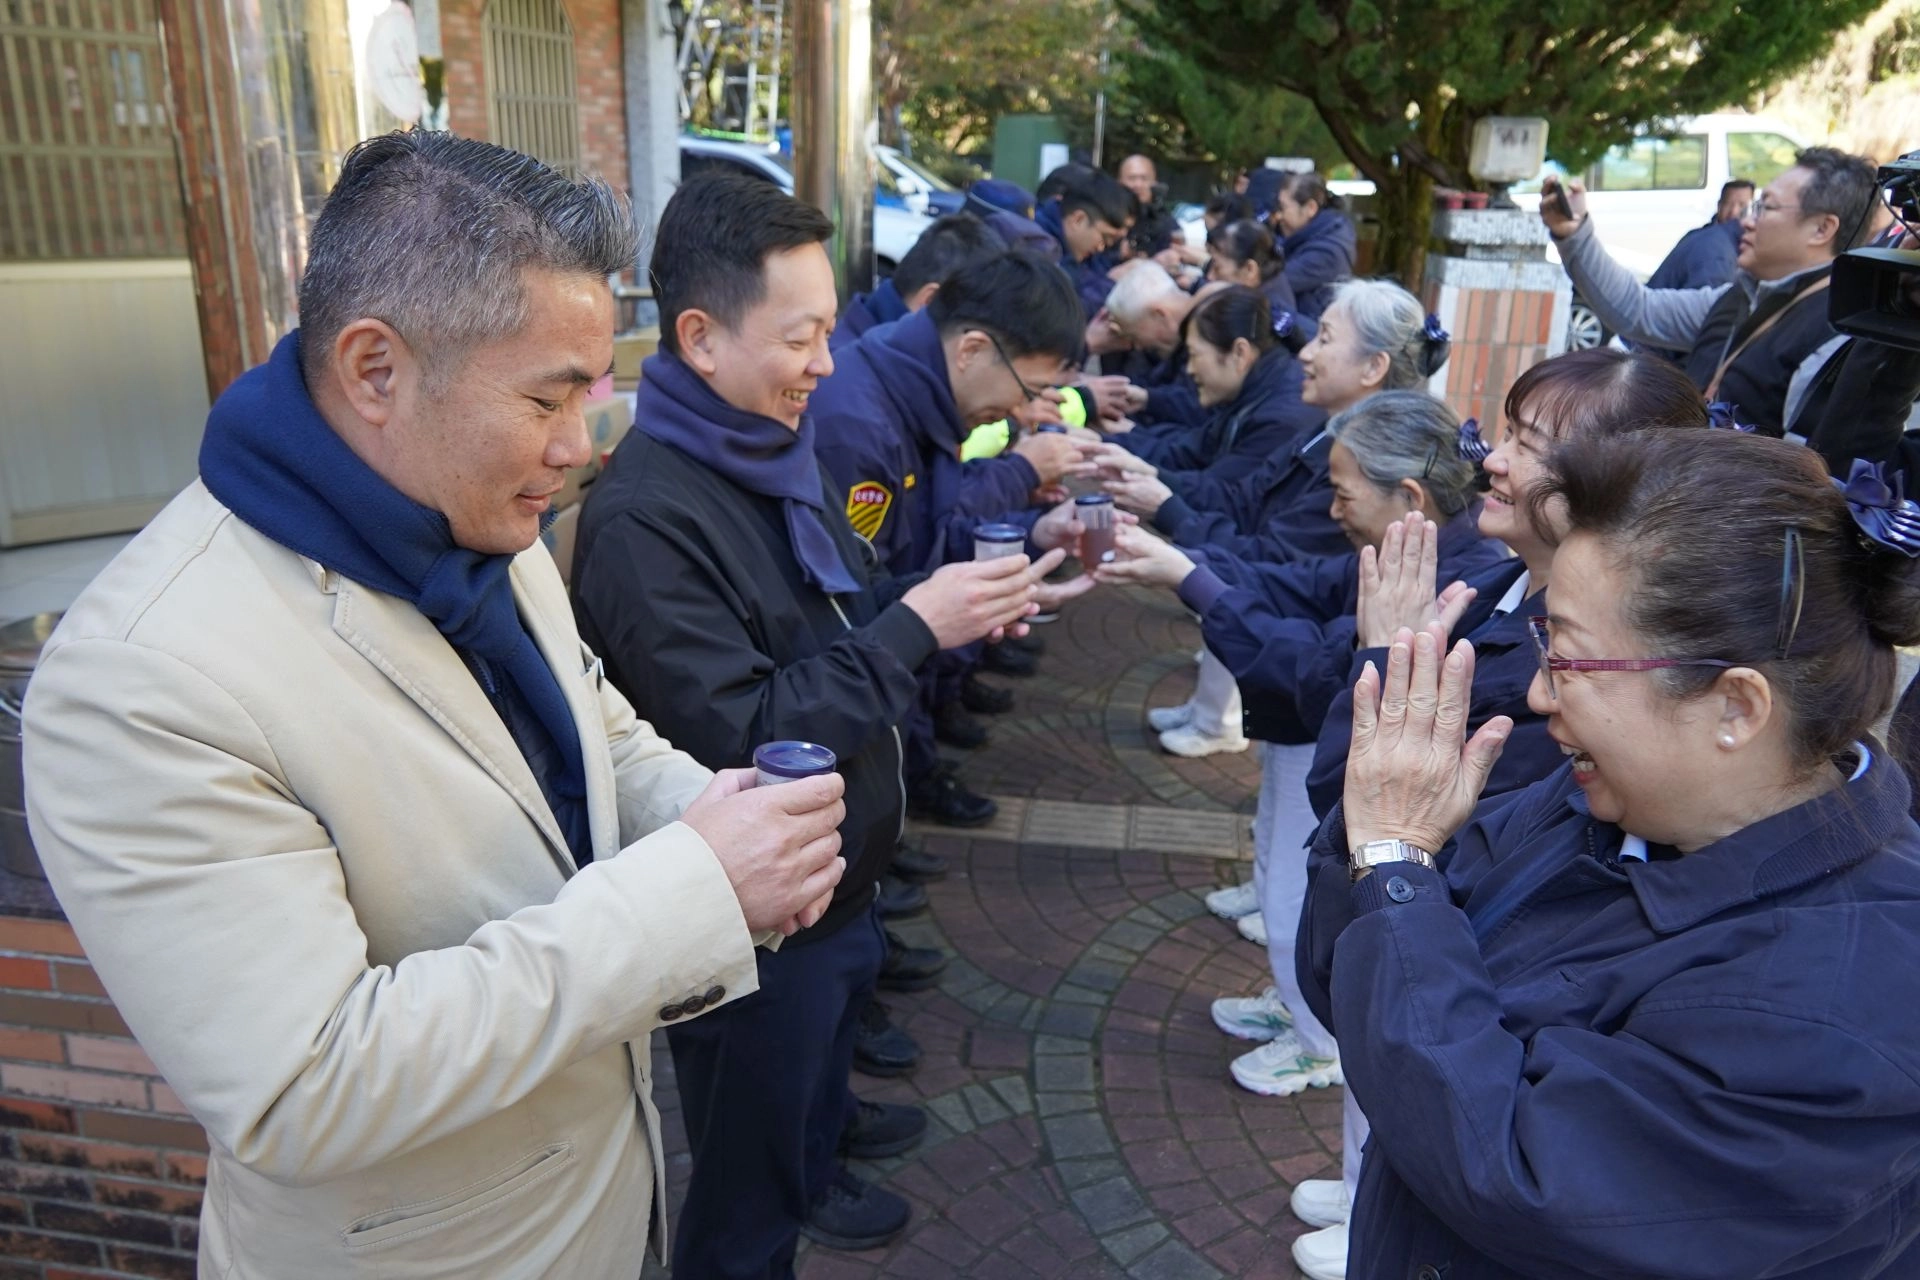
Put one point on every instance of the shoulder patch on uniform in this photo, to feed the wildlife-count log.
(867, 504)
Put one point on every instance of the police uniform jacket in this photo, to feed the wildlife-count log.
(1586, 1057)
(889, 433)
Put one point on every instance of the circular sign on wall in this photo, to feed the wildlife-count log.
(393, 64)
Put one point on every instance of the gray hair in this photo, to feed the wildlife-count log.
(1387, 319)
(433, 234)
(1408, 435)
(1139, 289)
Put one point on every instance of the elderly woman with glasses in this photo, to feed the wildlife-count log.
(1652, 1015)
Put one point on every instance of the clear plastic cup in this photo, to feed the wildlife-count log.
(1096, 516)
(778, 762)
(991, 541)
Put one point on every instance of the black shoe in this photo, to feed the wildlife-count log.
(1028, 643)
(953, 726)
(855, 1215)
(881, 1049)
(941, 797)
(1002, 661)
(984, 699)
(910, 968)
(881, 1129)
(916, 866)
(898, 899)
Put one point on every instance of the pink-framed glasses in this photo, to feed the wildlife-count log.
(1537, 628)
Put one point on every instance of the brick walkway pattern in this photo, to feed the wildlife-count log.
(1083, 1123)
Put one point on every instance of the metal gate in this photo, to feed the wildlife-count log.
(531, 98)
(99, 337)
(87, 165)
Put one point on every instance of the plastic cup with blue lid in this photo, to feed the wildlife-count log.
(1096, 517)
(778, 762)
(991, 541)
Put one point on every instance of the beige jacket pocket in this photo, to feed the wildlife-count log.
(406, 1223)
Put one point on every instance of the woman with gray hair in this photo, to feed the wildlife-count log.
(1374, 338)
(1403, 476)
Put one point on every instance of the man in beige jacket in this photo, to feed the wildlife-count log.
(385, 876)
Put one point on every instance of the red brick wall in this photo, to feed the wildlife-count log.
(599, 74)
(100, 1165)
(1498, 334)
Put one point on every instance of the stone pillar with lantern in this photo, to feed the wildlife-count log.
(1493, 288)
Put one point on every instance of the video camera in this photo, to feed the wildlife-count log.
(1876, 292)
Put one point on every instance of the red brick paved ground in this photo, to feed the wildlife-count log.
(1083, 1122)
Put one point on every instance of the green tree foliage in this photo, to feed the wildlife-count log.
(1212, 117)
(1399, 84)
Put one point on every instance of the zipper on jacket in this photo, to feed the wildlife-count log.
(899, 747)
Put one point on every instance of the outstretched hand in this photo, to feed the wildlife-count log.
(1412, 774)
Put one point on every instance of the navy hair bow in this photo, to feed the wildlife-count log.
(1433, 332)
(1886, 516)
(1725, 416)
(1284, 325)
(1472, 447)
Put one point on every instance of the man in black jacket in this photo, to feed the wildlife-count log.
(718, 577)
(1760, 342)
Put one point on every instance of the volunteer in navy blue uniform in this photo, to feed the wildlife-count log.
(890, 424)
(1285, 631)
(952, 242)
(1577, 396)
(1317, 240)
(1246, 383)
(1653, 1015)
(1244, 252)
(717, 576)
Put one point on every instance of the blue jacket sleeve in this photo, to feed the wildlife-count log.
(1178, 401)
(1321, 261)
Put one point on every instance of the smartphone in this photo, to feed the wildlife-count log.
(1556, 198)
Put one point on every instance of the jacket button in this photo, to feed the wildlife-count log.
(669, 1012)
(1400, 891)
(1427, 1273)
(714, 996)
(692, 1005)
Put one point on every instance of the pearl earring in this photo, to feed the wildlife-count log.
(1726, 739)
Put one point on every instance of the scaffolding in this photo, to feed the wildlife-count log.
(729, 60)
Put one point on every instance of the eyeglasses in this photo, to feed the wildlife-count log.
(1026, 391)
(1762, 206)
(1537, 628)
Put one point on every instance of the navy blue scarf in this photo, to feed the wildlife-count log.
(272, 460)
(910, 364)
(676, 406)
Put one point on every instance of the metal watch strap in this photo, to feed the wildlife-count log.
(1376, 853)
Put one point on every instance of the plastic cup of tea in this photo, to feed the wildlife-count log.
(1096, 517)
(778, 762)
(991, 541)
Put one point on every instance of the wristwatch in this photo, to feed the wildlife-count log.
(1373, 853)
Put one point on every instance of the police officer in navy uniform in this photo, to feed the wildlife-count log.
(891, 422)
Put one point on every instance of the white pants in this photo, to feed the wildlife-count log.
(1216, 700)
(1281, 827)
(1353, 1136)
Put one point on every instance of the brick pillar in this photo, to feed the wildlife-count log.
(101, 1168)
(1503, 302)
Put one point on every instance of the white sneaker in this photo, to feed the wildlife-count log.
(1253, 928)
(1260, 1017)
(1231, 904)
(1281, 1067)
(1190, 742)
(1322, 1255)
(1321, 1202)
(1161, 719)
